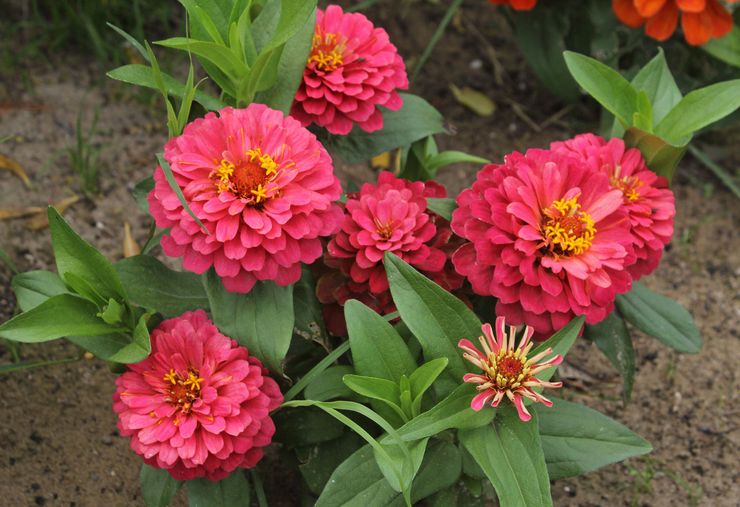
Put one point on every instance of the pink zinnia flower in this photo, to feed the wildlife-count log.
(648, 201)
(199, 405)
(507, 371)
(260, 183)
(390, 216)
(547, 237)
(353, 68)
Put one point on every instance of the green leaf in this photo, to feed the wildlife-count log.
(656, 80)
(726, 48)
(293, 17)
(358, 482)
(138, 348)
(318, 462)
(141, 75)
(306, 426)
(540, 34)
(409, 468)
(34, 287)
(423, 378)
(452, 412)
(415, 120)
(577, 440)
(437, 318)
(377, 349)
(376, 389)
(604, 84)
(141, 191)
(329, 385)
(446, 158)
(510, 453)
(78, 257)
(59, 316)
(131, 40)
(290, 69)
(218, 55)
(661, 318)
(442, 206)
(661, 157)
(699, 109)
(613, 339)
(157, 486)
(440, 469)
(112, 313)
(261, 320)
(153, 285)
(234, 491)
(560, 342)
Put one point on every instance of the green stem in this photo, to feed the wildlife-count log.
(316, 371)
(259, 488)
(451, 10)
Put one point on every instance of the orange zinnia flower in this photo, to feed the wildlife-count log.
(518, 5)
(701, 20)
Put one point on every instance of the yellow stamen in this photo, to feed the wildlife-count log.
(327, 52)
(171, 377)
(568, 231)
(260, 193)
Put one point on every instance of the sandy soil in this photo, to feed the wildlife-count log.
(58, 439)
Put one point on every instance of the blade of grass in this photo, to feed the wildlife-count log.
(178, 191)
(451, 10)
(716, 169)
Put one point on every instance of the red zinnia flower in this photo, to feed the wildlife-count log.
(519, 5)
(507, 371)
(199, 405)
(648, 201)
(547, 237)
(390, 216)
(263, 187)
(701, 20)
(353, 69)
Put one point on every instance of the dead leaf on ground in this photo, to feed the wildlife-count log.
(41, 221)
(130, 246)
(8, 213)
(11, 165)
(382, 161)
(474, 100)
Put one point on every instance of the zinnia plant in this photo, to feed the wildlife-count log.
(262, 189)
(314, 331)
(199, 405)
(548, 238)
(353, 68)
(507, 369)
(701, 20)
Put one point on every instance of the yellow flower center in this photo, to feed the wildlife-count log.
(567, 230)
(251, 178)
(628, 185)
(507, 369)
(183, 391)
(327, 52)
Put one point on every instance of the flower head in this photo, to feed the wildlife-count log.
(353, 68)
(546, 236)
(390, 216)
(517, 5)
(262, 186)
(199, 405)
(701, 20)
(647, 200)
(507, 371)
